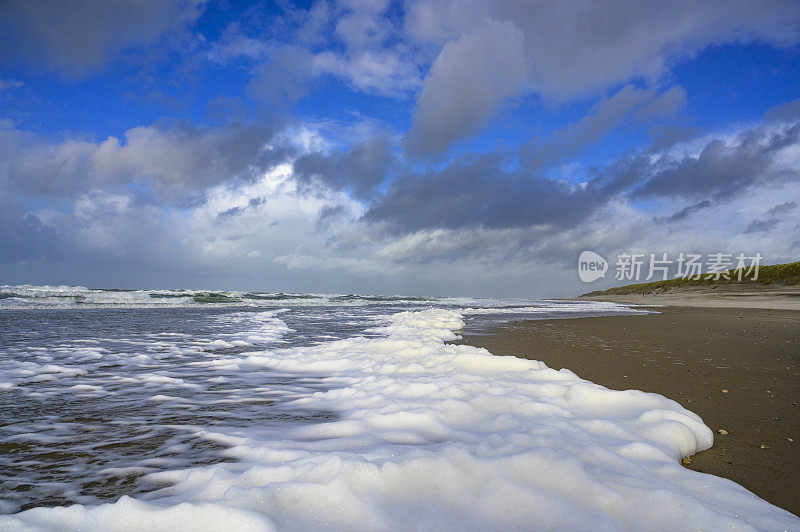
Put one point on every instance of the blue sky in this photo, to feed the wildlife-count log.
(408, 147)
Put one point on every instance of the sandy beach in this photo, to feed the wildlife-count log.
(737, 368)
(778, 297)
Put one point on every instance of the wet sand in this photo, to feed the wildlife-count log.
(737, 368)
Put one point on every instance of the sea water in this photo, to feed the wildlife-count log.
(252, 411)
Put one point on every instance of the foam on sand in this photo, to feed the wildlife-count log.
(436, 436)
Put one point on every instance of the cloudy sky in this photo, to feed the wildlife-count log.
(419, 147)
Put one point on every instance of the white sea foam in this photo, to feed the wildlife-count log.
(432, 436)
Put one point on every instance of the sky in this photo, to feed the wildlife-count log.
(423, 147)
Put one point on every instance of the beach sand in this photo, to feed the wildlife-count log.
(775, 297)
(737, 368)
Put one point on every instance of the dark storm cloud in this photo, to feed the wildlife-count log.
(688, 211)
(174, 161)
(761, 226)
(23, 237)
(491, 191)
(775, 216)
(720, 170)
(480, 192)
(358, 170)
(236, 211)
(81, 35)
(783, 208)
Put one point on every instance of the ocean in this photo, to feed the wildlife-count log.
(236, 410)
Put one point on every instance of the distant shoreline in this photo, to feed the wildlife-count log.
(776, 286)
(714, 296)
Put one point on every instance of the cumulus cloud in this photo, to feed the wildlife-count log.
(173, 161)
(282, 78)
(371, 57)
(482, 199)
(541, 260)
(721, 168)
(358, 170)
(354, 42)
(479, 191)
(479, 55)
(23, 237)
(563, 51)
(79, 36)
(607, 42)
(381, 72)
(471, 76)
(238, 231)
(777, 215)
(478, 220)
(362, 23)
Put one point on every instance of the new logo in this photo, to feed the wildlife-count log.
(591, 266)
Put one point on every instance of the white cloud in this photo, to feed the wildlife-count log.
(383, 71)
(174, 161)
(6, 84)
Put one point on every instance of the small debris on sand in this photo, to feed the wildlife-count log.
(687, 461)
(723, 431)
